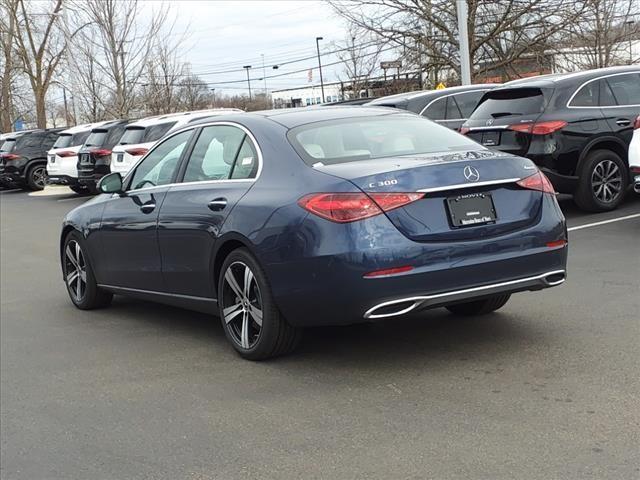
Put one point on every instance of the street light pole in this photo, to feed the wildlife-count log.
(630, 23)
(463, 34)
(247, 67)
(320, 66)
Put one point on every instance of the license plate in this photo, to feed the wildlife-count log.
(491, 139)
(120, 157)
(472, 209)
(52, 159)
(84, 158)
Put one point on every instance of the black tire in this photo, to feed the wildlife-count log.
(275, 336)
(480, 307)
(91, 296)
(37, 177)
(591, 193)
(79, 190)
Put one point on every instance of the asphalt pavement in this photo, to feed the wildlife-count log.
(546, 388)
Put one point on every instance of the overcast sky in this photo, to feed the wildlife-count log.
(225, 35)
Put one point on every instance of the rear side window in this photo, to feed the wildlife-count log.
(606, 95)
(510, 102)
(214, 153)
(156, 132)
(437, 110)
(356, 139)
(467, 101)
(30, 140)
(246, 164)
(132, 135)
(626, 88)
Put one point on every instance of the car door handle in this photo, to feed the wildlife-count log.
(217, 204)
(148, 207)
(623, 122)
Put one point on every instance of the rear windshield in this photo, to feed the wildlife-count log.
(96, 138)
(71, 140)
(7, 146)
(353, 139)
(509, 103)
(132, 135)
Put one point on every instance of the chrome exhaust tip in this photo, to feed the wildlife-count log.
(393, 308)
(555, 278)
(636, 187)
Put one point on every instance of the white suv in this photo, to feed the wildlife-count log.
(62, 159)
(141, 135)
(634, 156)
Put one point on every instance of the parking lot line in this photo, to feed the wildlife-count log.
(595, 224)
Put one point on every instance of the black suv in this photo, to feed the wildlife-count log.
(449, 107)
(577, 127)
(94, 158)
(23, 158)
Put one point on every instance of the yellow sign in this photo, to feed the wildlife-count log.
(441, 86)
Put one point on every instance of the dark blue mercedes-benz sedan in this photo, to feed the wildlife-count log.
(282, 219)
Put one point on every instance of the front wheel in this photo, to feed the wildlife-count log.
(78, 276)
(480, 307)
(251, 321)
(604, 178)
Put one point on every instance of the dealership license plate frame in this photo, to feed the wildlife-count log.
(471, 210)
(490, 139)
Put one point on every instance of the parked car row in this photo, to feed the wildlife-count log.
(79, 156)
(576, 127)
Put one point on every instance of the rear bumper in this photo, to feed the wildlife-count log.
(62, 180)
(562, 183)
(405, 305)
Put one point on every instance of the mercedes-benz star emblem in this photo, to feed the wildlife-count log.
(489, 122)
(471, 174)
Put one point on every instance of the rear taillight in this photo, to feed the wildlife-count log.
(539, 128)
(538, 181)
(66, 153)
(636, 124)
(101, 152)
(137, 152)
(350, 207)
(9, 156)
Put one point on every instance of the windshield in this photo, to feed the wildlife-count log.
(353, 139)
(71, 140)
(7, 146)
(96, 138)
(510, 102)
(132, 135)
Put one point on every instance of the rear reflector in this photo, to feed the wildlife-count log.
(538, 181)
(464, 130)
(636, 124)
(350, 207)
(10, 156)
(137, 152)
(540, 128)
(557, 243)
(635, 170)
(388, 271)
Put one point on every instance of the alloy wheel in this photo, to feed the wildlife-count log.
(39, 176)
(75, 270)
(606, 181)
(242, 304)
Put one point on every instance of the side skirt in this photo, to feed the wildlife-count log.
(200, 304)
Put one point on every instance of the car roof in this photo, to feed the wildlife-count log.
(81, 128)
(158, 119)
(554, 79)
(293, 117)
(108, 124)
(434, 93)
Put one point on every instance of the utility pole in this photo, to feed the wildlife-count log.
(247, 67)
(463, 34)
(66, 108)
(213, 92)
(320, 66)
(264, 77)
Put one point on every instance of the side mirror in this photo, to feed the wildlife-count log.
(111, 183)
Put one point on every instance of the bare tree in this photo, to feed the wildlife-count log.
(120, 48)
(602, 36)
(194, 93)
(360, 59)
(39, 45)
(8, 9)
(163, 79)
(501, 32)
